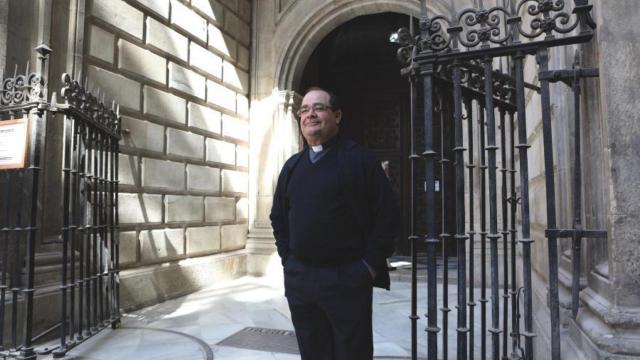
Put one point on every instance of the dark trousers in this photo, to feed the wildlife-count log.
(330, 309)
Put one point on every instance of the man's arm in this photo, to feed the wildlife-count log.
(384, 219)
(279, 217)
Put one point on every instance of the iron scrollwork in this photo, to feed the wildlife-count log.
(22, 89)
(77, 97)
(477, 29)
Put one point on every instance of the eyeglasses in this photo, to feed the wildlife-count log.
(317, 108)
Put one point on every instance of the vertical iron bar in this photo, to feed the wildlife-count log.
(6, 229)
(413, 88)
(95, 217)
(445, 236)
(505, 236)
(460, 235)
(524, 204)
(431, 239)
(66, 185)
(88, 228)
(15, 273)
(73, 228)
(102, 217)
(493, 216)
(471, 233)
(513, 202)
(116, 223)
(554, 303)
(577, 203)
(37, 128)
(109, 229)
(81, 224)
(483, 235)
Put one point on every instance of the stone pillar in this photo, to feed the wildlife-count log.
(276, 141)
(4, 20)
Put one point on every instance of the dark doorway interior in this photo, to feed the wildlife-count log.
(357, 62)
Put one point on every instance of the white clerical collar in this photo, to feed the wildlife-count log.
(316, 148)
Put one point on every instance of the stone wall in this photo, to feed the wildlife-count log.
(179, 70)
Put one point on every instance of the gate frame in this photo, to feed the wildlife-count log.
(485, 37)
(27, 95)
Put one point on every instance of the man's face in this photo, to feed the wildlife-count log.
(318, 121)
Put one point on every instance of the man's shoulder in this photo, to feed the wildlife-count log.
(357, 151)
(293, 159)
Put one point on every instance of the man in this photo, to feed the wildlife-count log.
(334, 221)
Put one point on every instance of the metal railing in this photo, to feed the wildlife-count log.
(89, 269)
(453, 59)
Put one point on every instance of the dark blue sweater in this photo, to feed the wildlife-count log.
(321, 223)
(362, 220)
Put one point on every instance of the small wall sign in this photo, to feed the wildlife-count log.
(14, 141)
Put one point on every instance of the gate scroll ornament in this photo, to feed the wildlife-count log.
(459, 52)
(89, 235)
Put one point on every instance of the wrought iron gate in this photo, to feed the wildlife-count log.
(89, 288)
(457, 55)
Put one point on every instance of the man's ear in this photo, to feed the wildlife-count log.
(338, 116)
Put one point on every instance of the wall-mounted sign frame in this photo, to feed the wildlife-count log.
(14, 142)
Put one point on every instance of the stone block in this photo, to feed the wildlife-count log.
(128, 170)
(233, 237)
(219, 95)
(119, 14)
(231, 4)
(163, 174)
(234, 181)
(242, 103)
(203, 178)
(139, 208)
(142, 135)
(206, 61)
(224, 44)
(204, 118)
(244, 57)
(160, 244)
(124, 91)
(185, 80)
(242, 156)
(128, 247)
(188, 20)
(204, 239)
(186, 144)
(160, 7)
(101, 44)
(211, 8)
(240, 30)
(166, 39)
(221, 151)
(244, 10)
(235, 77)
(234, 128)
(164, 105)
(219, 209)
(140, 61)
(242, 209)
(184, 208)
(155, 284)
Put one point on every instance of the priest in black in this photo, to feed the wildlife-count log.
(335, 221)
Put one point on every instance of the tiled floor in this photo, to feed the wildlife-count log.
(190, 327)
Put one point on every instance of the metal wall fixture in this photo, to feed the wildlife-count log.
(89, 288)
(453, 59)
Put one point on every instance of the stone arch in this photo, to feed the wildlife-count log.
(311, 30)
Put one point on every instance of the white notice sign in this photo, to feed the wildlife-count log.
(13, 143)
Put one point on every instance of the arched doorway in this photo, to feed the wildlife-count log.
(358, 63)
